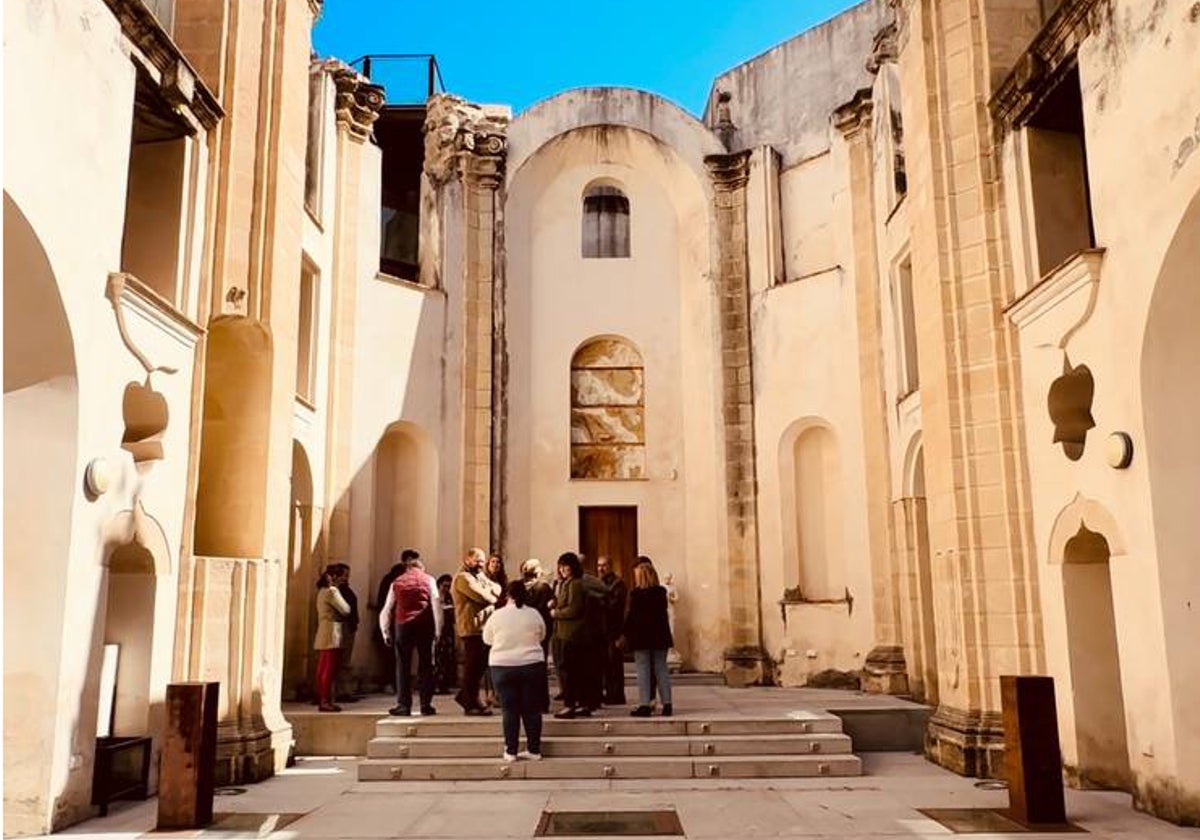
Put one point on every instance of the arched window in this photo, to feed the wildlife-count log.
(605, 222)
(608, 430)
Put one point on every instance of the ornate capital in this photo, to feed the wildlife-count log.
(729, 172)
(855, 115)
(358, 102)
(314, 6)
(885, 48)
(464, 138)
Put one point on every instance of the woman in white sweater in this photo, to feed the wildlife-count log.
(518, 667)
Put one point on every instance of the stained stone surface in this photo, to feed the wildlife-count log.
(611, 462)
(606, 386)
(607, 353)
(607, 425)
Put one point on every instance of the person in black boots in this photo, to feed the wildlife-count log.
(614, 618)
(568, 615)
(473, 601)
(445, 653)
(594, 647)
(344, 680)
(648, 635)
(410, 619)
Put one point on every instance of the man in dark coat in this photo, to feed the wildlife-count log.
(614, 619)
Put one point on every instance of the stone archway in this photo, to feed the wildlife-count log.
(1170, 370)
(41, 480)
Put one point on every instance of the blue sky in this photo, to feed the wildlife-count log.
(521, 51)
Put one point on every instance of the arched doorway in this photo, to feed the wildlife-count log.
(41, 479)
(1170, 369)
(1102, 753)
(916, 583)
(299, 625)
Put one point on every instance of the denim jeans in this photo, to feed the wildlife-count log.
(522, 693)
(652, 664)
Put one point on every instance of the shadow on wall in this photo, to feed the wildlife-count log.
(40, 476)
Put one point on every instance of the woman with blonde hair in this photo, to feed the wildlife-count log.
(648, 635)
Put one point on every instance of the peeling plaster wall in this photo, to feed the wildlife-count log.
(1141, 100)
(783, 98)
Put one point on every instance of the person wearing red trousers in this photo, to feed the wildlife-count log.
(331, 610)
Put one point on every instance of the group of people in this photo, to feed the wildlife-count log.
(503, 633)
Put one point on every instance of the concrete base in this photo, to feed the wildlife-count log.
(745, 666)
(250, 753)
(969, 743)
(885, 671)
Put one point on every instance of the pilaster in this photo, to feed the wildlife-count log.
(356, 108)
(884, 670)
(983, 563)
(465, 143)
(745, 660)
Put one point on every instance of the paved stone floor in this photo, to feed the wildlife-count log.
(320, 798)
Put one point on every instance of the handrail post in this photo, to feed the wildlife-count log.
(367, 66)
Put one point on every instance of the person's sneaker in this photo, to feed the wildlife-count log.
(529, 756)
(641, 711)
(399, 711)
(428, 711)
(332, 707)
(586, 711)
(508, 758)
(565, 714)
(667, 711)
(478, 711)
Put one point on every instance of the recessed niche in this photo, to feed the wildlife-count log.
(1070, 405)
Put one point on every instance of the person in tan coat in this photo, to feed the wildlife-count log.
(473, 601)
(332, 609)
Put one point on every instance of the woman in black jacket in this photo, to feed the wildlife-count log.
(648, 635)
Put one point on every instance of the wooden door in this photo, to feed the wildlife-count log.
(611, 532)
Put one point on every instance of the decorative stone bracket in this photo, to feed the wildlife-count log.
(456, 129)
(357, 102)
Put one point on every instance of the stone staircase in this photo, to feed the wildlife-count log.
(802, 744)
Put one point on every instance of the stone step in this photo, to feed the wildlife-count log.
(583, 746)
(811, 723)
(639, 767)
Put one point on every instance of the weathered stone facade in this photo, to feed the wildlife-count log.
(891, 371)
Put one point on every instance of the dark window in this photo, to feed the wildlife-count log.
(605, 223)
(401, 140)
(1058, 176)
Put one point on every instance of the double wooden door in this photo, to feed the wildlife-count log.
(610, 532)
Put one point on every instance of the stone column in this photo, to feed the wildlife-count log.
(884, 670)
(465, 149)
(984, 577)
(356, 108)
(744, 658)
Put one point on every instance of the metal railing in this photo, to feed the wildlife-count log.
(407, 78)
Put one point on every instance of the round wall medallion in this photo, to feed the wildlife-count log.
(97, 476)
(1118, 450)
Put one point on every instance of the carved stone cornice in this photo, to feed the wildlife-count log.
(178, 81)
(729, 172)
(1042, 66)
(885, 48)
(855, 115)
(462, 138)
(357, 102)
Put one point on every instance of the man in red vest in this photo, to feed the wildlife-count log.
(409, 621)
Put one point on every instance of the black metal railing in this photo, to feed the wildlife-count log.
(407, 78)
